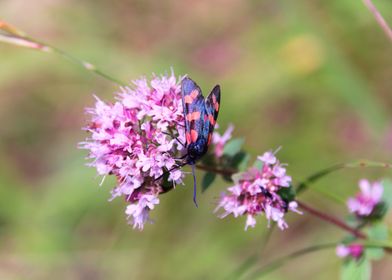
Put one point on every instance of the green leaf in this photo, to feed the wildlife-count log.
(352, 221)
(258, 164)
(208, 159)
(166, 184)
(243, 165)
(238, 159)
(208, 179)
(233, 147)
(356, 270)
(379, 211)
(377, 232)
(387, 194)
(287, 194)
(236, 177)
(348, 239)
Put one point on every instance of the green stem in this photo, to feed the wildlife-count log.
(14, 36)
(302, 186)
(84, 64)
(331, 196)
(281, 261)
(314, 177)
(252, 260)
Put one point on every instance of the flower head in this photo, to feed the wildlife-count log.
(134, 139)
(220, 140)
(366, 200)
(353, 250)
(256, 192)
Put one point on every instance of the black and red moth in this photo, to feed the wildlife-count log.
(200, 117)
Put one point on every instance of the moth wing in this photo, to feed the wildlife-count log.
(193, 105)
(212, 105)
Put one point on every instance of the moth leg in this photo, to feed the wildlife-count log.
(182, 157)
(182, 144)
(172, 136)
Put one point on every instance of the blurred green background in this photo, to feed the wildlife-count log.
(311, 76)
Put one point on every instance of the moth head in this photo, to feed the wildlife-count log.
(197, 149)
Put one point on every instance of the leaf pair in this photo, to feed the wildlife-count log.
(233, 158)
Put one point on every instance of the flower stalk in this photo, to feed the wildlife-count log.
(212, 169)
(10, 34)
(332, 220)
(379, 18)
(304, 185)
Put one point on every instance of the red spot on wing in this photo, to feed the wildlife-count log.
(194, 93)
(194, 135)
(194, 116)
(188, 99)
(211, 119)
(216, 106)
(188, 138)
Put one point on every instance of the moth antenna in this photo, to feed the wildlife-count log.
(194, 185)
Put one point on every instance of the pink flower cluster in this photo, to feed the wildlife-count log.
(365, 201)
(255, 193)
(353, 250)
(134, 139)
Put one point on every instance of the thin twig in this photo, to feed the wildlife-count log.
(312, 178)
(333, 220)
(302, 186)
(240, 271)
(12, 35)
(225, 172)
(379, 18)
(279, 262)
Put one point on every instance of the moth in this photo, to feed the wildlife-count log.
(200, 116)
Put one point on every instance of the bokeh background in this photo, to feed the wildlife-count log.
(311, 76)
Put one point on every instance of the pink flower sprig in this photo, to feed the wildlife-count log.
(256, 192)
(135, 140)
(219, 141)
(365, 202)
(354, 251)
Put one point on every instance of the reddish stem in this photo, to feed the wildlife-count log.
(224, 172)
(333, 220)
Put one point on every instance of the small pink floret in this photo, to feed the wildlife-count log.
(353, 250)
(369, 196)
(255, 193)
(219, 141)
